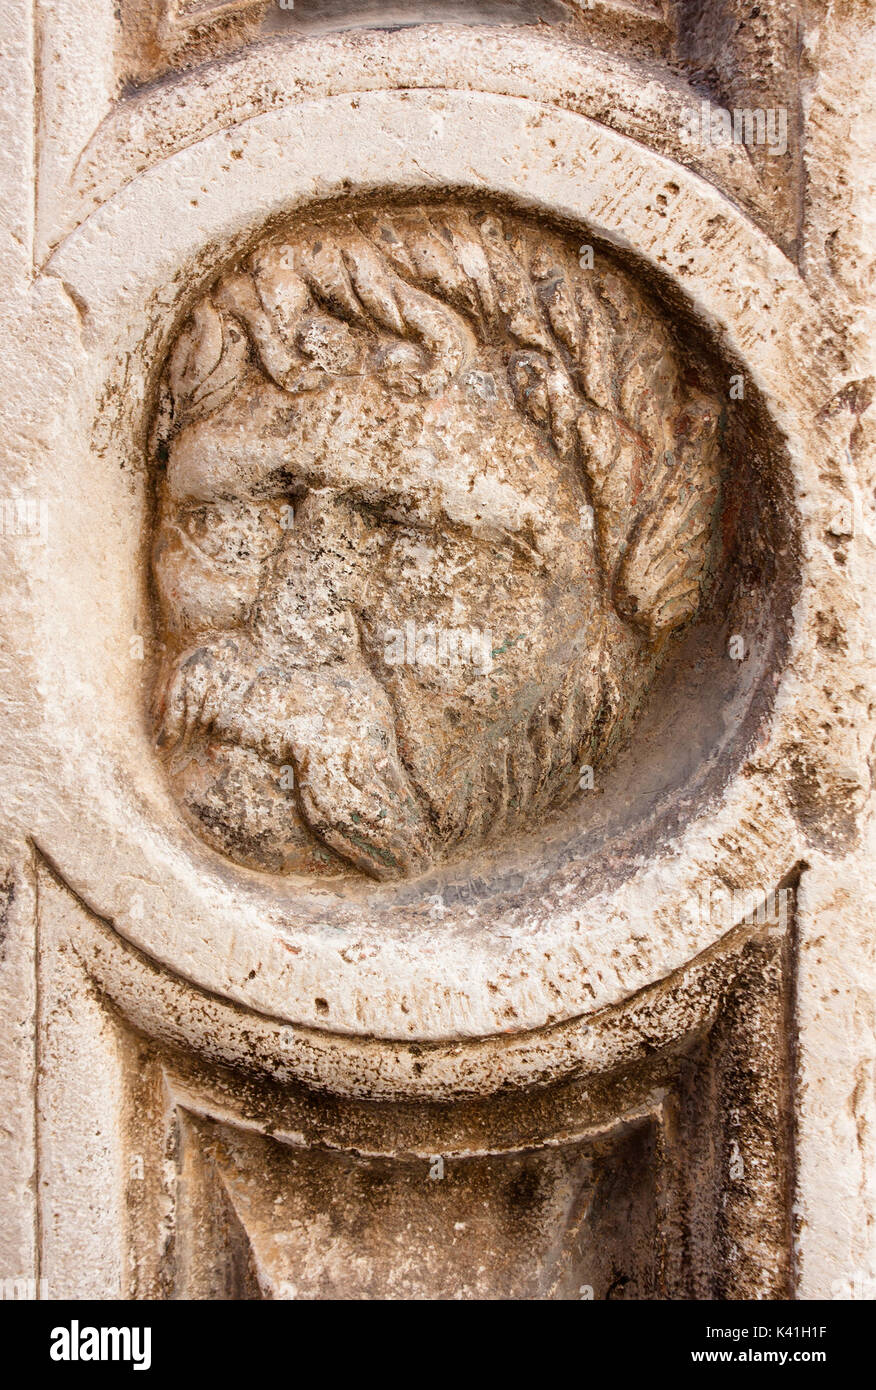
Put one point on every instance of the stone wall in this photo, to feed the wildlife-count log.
(438, 531)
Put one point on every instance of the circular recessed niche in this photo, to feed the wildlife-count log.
(472, 560)
(446, 382)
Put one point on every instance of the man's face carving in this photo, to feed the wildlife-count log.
(376, 439)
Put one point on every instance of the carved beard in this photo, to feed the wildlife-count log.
(500, 773)
(335, 725)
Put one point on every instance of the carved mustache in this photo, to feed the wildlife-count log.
(334, 724)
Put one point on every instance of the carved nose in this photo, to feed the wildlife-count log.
(305, 613)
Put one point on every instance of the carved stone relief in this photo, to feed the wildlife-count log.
(438, 700)
(432, 500)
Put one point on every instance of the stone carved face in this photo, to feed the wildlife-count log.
(432, 496)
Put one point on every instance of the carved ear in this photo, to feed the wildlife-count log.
(660, 579)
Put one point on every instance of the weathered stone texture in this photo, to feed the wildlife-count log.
(437, 536)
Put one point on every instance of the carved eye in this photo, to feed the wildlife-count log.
(200, 528)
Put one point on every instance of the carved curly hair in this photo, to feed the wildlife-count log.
(407, 294)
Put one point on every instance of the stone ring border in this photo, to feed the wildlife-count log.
(223, 932)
